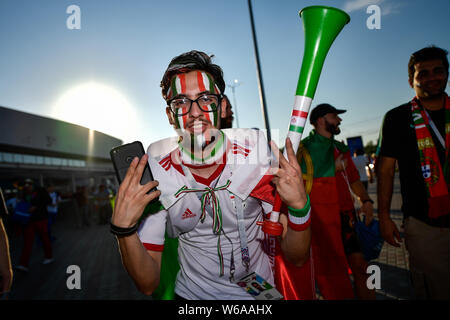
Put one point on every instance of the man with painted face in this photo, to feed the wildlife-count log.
(416, 136)
(214, 186)
(335, 177)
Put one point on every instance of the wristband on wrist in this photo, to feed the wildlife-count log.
(299, 219)
(123, 232)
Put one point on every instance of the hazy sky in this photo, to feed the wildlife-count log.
(106, 74)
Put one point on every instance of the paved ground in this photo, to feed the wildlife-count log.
(103, 277)
(92, 248)
(393, 262)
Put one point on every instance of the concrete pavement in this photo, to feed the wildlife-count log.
(393, 262)
(94, 250)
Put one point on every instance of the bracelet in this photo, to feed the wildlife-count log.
(123, 232)
(301, 212)
(299, 219)
(368, 200)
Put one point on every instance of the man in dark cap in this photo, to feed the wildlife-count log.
(335, 246)
(331, 121)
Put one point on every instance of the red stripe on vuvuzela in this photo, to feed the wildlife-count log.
(298, 113)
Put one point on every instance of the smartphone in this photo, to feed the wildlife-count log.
(122, 156)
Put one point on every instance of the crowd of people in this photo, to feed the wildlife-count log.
(198, 167)
(216, 185)
(93, 205)
(31, 210)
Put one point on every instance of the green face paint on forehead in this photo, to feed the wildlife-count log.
(204, 81)
(194, 82)
(177, 86)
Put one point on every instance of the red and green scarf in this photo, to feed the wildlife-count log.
(437, 179)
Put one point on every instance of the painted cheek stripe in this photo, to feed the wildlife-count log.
(183, 119)
(207, 115)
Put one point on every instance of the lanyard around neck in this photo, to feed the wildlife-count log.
(435, 129)
(240, 219)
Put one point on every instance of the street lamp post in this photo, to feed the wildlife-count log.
(235, 84)
(259, 74)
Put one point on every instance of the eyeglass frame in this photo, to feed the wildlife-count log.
(218, 96)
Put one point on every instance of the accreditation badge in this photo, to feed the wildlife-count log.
(259, 288)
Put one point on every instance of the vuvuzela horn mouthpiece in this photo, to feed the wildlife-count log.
(321, 25)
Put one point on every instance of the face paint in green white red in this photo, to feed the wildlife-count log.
(198, 82)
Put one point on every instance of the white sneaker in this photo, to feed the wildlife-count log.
(48, 261)
(22, 268)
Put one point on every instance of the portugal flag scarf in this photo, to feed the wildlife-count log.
(328, 260)
(436, 178)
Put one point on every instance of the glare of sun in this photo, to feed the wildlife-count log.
(96, 107)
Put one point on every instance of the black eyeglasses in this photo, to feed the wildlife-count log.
(182, 105)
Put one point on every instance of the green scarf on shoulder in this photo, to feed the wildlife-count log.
(321, 150)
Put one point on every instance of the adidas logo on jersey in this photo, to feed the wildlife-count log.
(188, 214)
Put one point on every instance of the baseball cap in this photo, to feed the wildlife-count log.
(322, 109)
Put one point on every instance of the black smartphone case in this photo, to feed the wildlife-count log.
(122, 156)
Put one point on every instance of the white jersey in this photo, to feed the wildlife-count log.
(247, 161)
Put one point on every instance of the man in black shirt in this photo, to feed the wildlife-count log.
(415, 135)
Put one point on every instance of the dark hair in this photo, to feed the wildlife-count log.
(426, 54)
(226, 122)
(189, 61)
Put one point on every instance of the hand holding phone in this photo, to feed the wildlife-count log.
(135, 179)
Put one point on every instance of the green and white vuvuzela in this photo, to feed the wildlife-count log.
(321, 26)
